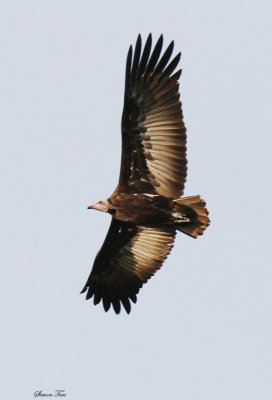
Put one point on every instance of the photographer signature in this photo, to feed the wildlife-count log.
(57, 393)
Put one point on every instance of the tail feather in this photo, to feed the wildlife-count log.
(195, 209)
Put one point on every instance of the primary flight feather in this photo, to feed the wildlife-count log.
(146, 207)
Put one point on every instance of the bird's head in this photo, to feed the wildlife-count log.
(101, 205)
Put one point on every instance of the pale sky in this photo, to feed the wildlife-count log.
(201, 329)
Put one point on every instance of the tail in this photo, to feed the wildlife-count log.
(196, 212)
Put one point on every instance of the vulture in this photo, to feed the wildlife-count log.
(146, 207)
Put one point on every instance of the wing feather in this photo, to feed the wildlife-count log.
(165, 58)
(155, 55)
(136, 56)
(145, 55)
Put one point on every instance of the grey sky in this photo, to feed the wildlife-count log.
(201, 329)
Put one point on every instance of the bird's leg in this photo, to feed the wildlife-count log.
(179, 218)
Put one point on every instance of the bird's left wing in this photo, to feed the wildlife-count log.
(130, 255)
(153, 131)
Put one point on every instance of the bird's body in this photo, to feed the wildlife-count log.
(146, 206)
(141, 208)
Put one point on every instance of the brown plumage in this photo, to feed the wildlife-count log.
(146, 207)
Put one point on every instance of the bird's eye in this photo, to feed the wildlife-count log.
(100, 202)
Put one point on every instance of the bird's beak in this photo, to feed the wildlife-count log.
(90, 207)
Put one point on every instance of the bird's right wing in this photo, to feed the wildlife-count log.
(130, 255)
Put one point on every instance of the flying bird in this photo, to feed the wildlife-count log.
(146, 207)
